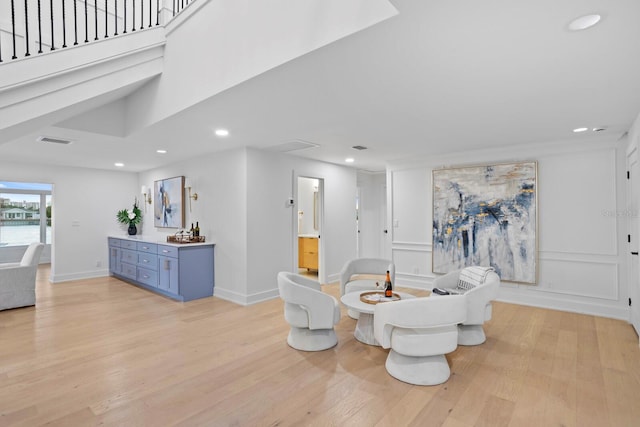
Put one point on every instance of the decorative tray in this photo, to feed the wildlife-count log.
(185, 239)
(375, 297)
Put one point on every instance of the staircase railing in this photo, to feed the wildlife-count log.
(36, 26)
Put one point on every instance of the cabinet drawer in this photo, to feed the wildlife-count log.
(128, 244)
(148, 277)
(149, 261)
(128, 270)
(129, 256)
(168, 251)
(151, 248)
(114, 243)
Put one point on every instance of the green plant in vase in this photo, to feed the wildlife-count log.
(131, 217)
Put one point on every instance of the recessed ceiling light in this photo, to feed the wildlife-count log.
(349, 160)
(222, 132)
(584, 22)
(576, 130)
(599, 129)
(118, 164)
(161, 151)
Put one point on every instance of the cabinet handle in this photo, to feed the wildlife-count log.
(164, 251)
(146, 276)
(145, 260)
(145, 247)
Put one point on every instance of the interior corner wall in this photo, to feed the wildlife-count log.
(581, 239)
(221, 212)
(272, 245)
(85, 202)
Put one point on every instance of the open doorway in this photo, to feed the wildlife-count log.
(308, 226)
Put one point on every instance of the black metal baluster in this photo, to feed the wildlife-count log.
(53, 46)
(174, 7)
(13, 28)
(115, 18)
(95, 19)
(26, 27)
(124, 23)
(157, 12)
(86, 22)
(39, 28)
(75, 22)
(106, 18)
(64, 25)
(133, 18)
(149, 13)
(141, 14)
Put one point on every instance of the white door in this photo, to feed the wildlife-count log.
(633, 197)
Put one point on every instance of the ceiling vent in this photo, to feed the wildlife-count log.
(54, 140)
(359, 147)
(297, 144)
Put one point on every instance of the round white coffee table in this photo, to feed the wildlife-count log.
(364, 326)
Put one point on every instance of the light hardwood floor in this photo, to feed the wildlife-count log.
(103, 352)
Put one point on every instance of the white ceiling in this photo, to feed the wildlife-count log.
(441, 76)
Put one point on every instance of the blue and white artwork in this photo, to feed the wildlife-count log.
(486, 215)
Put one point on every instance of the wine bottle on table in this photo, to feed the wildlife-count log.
(197, 229)
(192, 231)
(388, 287)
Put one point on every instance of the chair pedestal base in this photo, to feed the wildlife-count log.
(424, 370)
(312, 340)
(471, 335)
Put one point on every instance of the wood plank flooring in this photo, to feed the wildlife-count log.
(103, 352)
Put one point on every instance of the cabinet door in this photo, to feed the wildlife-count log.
(114, 259)
(168, 274)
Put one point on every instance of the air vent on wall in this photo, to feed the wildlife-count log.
(359, 147)
(297, 144)
(54, 140)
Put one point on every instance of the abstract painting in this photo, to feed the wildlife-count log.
(487, 216)
(168, 202)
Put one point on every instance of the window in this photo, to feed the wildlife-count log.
(25, 213)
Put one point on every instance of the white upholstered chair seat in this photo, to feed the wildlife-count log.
(411, 342)
(360, 285)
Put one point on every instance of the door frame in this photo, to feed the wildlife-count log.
(633, 246)
(294, 224)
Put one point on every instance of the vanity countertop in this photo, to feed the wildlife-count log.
(159, 242)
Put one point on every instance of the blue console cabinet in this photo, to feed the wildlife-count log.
(180, 271)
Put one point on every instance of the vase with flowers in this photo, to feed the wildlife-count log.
(131, 217)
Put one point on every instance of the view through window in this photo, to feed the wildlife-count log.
(25, 213)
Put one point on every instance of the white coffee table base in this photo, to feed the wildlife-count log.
(364, 329)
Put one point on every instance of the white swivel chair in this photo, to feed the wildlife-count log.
(364, 266)
(419, 333)
(18, 280)
(310, 312)
(479, 298)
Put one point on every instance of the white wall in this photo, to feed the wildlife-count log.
(258, 36)
(241, 207)
(86, 197)
(580, 244)
(272, 179)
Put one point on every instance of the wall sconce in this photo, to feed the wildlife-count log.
(194, 196)
(146, 197)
